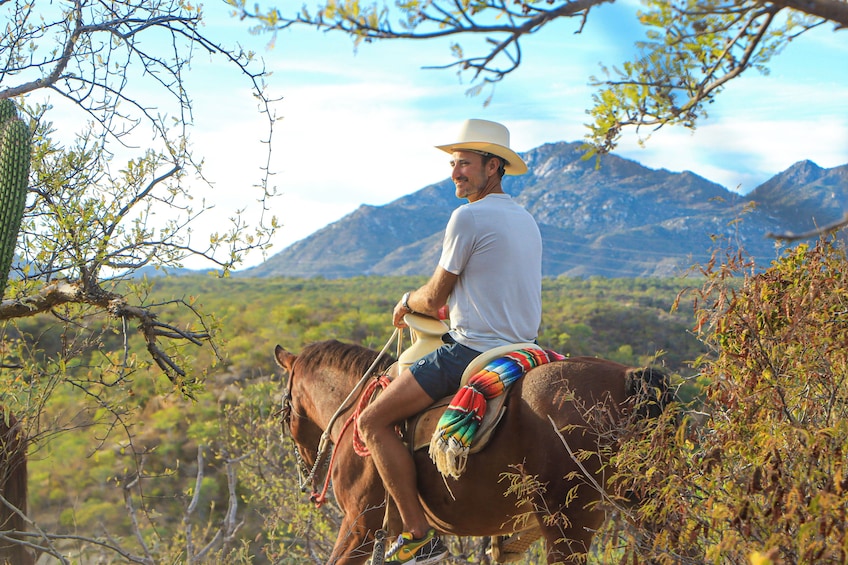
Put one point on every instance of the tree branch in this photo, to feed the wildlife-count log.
(80, 292)
(789, 236)
(48, 297)
(833, 10)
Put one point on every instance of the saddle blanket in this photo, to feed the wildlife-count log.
(452, 439)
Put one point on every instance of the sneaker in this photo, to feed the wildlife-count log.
(424, 551)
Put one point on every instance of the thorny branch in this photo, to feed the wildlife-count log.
(511, 22)
(691, 52)
(502, 37)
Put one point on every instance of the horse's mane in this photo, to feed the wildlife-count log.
(347, 357)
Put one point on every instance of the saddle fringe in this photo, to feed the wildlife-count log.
(449, 455)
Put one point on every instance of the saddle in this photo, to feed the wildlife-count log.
(426, 336)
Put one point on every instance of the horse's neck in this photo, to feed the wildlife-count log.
(331, 390)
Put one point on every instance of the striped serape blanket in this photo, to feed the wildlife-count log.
(451, 442)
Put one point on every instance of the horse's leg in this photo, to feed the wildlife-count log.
(354, 542)
(568, 519)
(361, 496)
(562, 405)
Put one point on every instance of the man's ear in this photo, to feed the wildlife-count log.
(493, 164)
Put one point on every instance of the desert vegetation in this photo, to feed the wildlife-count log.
(142, 460)
(751, 454)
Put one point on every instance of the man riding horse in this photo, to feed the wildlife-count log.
(490, 277)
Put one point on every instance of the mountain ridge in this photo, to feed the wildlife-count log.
(618, 219)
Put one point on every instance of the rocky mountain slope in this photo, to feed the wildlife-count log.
(619, 219)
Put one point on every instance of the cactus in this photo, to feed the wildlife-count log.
(15, 154)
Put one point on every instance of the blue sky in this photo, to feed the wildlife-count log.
(359, 127)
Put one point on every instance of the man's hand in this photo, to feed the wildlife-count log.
(426, 300)
(397, 315)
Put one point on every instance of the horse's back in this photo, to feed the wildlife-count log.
(560, 389)
(526, 443)
(561, 396)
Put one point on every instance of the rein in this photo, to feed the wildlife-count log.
(319, 498)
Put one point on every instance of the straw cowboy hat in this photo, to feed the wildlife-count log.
(487, 137)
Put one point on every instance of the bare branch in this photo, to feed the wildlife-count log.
(824, 230)
(63, 292)
(128, 504)
(226, 534)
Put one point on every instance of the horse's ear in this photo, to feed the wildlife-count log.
(284, 358)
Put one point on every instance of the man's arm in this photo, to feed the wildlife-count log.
(428, 299)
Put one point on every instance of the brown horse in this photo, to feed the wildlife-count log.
(13, 489)
(552, 415)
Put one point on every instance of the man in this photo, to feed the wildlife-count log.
(490, 276)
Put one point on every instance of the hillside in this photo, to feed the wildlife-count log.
(620, 219)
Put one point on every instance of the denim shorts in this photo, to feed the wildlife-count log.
(440, 372)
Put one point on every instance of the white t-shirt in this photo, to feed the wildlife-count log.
(495, 248)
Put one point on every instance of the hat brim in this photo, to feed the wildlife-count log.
(515, 165)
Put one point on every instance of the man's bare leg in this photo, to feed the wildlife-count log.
(400, 400)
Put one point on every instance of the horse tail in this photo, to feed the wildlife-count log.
(650, 390)
(13, 488)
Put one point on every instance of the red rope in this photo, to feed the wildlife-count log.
(358, 445)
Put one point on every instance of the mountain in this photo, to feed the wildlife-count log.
(616, 218)
(805, 196)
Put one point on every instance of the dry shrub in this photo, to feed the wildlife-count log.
(766, 471)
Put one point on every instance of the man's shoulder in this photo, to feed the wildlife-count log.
(491, 201)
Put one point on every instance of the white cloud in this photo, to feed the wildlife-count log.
(757, 128)
(741, 154)
(360, 128)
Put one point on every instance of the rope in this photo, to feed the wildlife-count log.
(325, 437)
(358, 445)
(320, 498)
